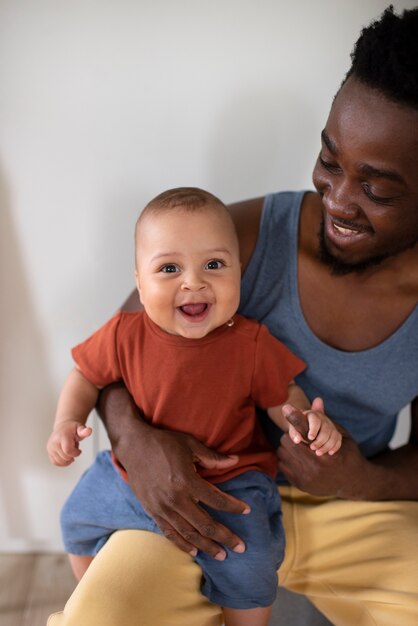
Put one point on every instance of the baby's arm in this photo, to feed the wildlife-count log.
(320, 430)
(77, 399)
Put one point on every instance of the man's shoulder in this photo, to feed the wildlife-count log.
(246, 215)
(247, 218)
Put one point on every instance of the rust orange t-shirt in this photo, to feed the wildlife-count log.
(206, 387)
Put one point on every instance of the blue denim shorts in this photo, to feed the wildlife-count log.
(102, 503)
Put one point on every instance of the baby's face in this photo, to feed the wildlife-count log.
(188, 270)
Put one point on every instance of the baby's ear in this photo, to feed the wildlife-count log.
(138, 285)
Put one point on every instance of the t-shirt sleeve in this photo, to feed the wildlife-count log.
(275, 366)
(97, 356)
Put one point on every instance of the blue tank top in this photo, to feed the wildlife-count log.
(363, 391)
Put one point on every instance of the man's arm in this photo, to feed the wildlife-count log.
(391, 475)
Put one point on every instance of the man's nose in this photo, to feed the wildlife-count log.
(341, 199)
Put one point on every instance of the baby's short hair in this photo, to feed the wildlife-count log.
(185, 199)
(189, 198)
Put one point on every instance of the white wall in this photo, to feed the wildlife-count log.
(103, 104)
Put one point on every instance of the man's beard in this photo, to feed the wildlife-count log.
(341, 268)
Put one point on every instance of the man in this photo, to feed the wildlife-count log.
(334, 275)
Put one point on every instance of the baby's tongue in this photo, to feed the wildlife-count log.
(193, 309)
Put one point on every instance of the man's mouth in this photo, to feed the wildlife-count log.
(342, 231)
(336, 245)
(348, 230)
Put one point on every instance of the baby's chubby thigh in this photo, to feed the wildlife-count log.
(247, 580)
(101, 503)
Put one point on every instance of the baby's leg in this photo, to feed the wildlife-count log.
(247, 617)
(245, 584)
(100, 504)
(79, 564)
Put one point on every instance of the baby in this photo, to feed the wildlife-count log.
(192, 364)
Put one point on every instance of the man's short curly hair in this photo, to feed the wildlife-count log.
(385, 57)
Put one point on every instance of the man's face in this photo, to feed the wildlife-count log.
(367, 175)
(188, 270)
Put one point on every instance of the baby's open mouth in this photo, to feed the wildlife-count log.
(194, 309)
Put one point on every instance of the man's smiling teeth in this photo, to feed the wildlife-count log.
(345, 231)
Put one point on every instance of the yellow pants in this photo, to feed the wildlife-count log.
(356, 561)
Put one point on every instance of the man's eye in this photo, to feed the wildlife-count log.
(328, 166)
(377, 199)
(169, 269)
(214, 265)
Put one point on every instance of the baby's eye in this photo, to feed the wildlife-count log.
(170, 268)
(214, 264)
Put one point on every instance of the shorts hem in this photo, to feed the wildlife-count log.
(78, 550)
(240, 603)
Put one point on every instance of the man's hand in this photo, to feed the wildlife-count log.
(298, 423)
(313, 426)
(390, 475)
(342, 475)
(170, 490)
(162, 473)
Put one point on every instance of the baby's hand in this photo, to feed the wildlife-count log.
(63, 444)
(322, 432)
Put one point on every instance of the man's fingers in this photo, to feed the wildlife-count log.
(180, 532)
(187, 524)
(170, 533)
(206, 457)
(298, 420)
(294, 434)
(208, 528)
(214, 498)
(203, 533)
